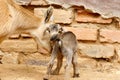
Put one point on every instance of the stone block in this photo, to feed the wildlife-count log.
(23, 45)
(15, 36)
(111, 36)
(59, 15)
(97, 50)
(63, 16)
(39, 3)
(84, 34)
(86, 16)
(10, 58)
(23, 35)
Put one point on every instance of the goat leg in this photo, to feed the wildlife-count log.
(51, 62)
(68, 65)
(75, 65)
(59, 64)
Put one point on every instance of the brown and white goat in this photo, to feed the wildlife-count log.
(64, 44)
(14, 17)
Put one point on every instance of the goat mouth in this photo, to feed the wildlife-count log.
(56, 39)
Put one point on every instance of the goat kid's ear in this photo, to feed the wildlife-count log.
(61, 29)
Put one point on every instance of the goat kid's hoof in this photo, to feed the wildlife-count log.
(76, 75)
(45, 79)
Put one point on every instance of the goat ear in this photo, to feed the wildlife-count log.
(61, 29)
(48, 14)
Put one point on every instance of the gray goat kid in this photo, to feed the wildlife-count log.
(63, 44)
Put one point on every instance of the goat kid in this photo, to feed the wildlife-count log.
(14, 17)
(63, 44)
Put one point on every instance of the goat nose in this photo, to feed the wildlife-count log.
(53, 38)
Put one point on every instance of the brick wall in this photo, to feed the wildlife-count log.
(98, 37)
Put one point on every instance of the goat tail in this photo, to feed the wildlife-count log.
(48, 14)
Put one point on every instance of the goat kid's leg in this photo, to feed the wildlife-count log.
(49, 68)
(75, 65)
(68, 66)
(59, 64)
(51, 62)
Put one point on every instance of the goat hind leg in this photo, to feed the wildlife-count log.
(67, 67)
(75, 65)
(59, 64)
(51, 62)
(49, 68)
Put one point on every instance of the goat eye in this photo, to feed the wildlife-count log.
(48, 30)
(60, 31)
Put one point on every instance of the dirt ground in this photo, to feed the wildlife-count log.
(89, 69)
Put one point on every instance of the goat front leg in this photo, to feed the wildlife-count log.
(59, 64)
(75, 65)
(51, 62)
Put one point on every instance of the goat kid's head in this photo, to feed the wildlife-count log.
(55, 30)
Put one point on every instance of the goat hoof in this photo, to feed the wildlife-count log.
(76, 75)
(45, 79)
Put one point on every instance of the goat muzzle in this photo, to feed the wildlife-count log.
(54, 38)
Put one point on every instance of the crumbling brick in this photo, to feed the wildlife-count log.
(111, 36)
(84, 34)
(59, 15)
(85, 16)
(97, 50)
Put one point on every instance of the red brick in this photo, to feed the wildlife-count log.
(85, 16)
(84, 33)
(109, 35)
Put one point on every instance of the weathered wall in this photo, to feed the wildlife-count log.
(98, 37)
(107, 8)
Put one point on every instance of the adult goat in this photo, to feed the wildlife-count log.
(14, 17)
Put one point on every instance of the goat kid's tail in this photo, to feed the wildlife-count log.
(48, 14)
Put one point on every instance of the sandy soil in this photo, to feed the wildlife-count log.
(89, 69)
